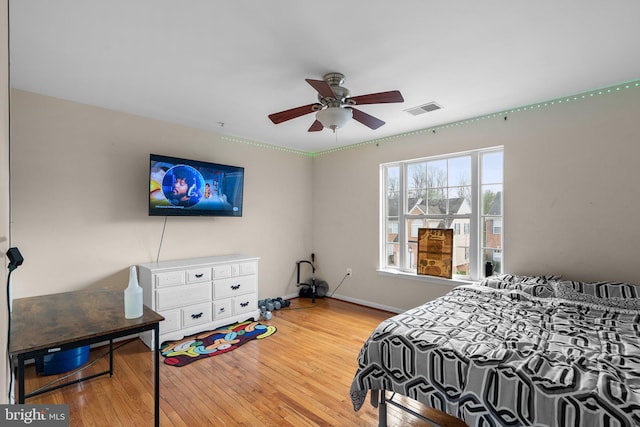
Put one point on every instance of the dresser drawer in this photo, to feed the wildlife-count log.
(171, 321)
(247, 268)
(244, 303)
(225, 288)
(182, 295)
(199, 275)
(170, 278)
(221, 271)
(196, 315)
(221, 309)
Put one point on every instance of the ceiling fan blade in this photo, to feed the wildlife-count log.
(378, 98)
(316, 126)
(367, 119)
(322, 87)
(283, 116)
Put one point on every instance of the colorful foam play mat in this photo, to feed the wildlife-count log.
(212, 343)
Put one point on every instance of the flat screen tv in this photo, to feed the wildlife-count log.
(180, 187)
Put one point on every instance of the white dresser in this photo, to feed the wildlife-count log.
(200, 294)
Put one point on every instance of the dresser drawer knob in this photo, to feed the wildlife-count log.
(235, 287)
(221, 310)
(197, 316)
(199, 275)
(244, 304)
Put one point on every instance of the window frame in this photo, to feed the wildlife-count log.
(476, 244)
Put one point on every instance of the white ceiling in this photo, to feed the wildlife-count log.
(205, 63)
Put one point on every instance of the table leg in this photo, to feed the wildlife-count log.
(20, 378)
(111, 357)
(156, 381)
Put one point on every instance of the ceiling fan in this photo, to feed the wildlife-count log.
(335, 107)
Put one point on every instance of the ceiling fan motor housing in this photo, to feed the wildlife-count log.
(335, 80)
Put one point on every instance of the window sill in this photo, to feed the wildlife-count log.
(421, 278)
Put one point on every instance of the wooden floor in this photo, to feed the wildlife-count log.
(300, 376)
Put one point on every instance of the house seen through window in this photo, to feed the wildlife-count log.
(462, 191)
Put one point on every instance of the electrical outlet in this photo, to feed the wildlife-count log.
(349, 272)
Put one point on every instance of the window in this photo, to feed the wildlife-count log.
(461, 191)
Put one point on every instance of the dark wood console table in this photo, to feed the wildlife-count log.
(50, 323)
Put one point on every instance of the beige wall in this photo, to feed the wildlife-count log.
(570, 184)
(571, 196)
(80, 191)
(4, 192)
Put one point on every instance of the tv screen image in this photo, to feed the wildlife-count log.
(194, 188)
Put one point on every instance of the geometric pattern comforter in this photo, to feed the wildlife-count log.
(514, 351)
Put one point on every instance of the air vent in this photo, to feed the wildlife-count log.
(425, 108)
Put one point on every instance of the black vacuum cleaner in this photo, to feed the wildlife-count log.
(312, 288)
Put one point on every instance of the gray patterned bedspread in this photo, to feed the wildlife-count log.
(514, 351)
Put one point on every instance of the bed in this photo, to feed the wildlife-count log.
(513, 351)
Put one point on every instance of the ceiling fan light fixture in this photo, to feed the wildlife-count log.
(334, 117)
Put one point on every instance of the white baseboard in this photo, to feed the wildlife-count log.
(355, 301)
(368, 303)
